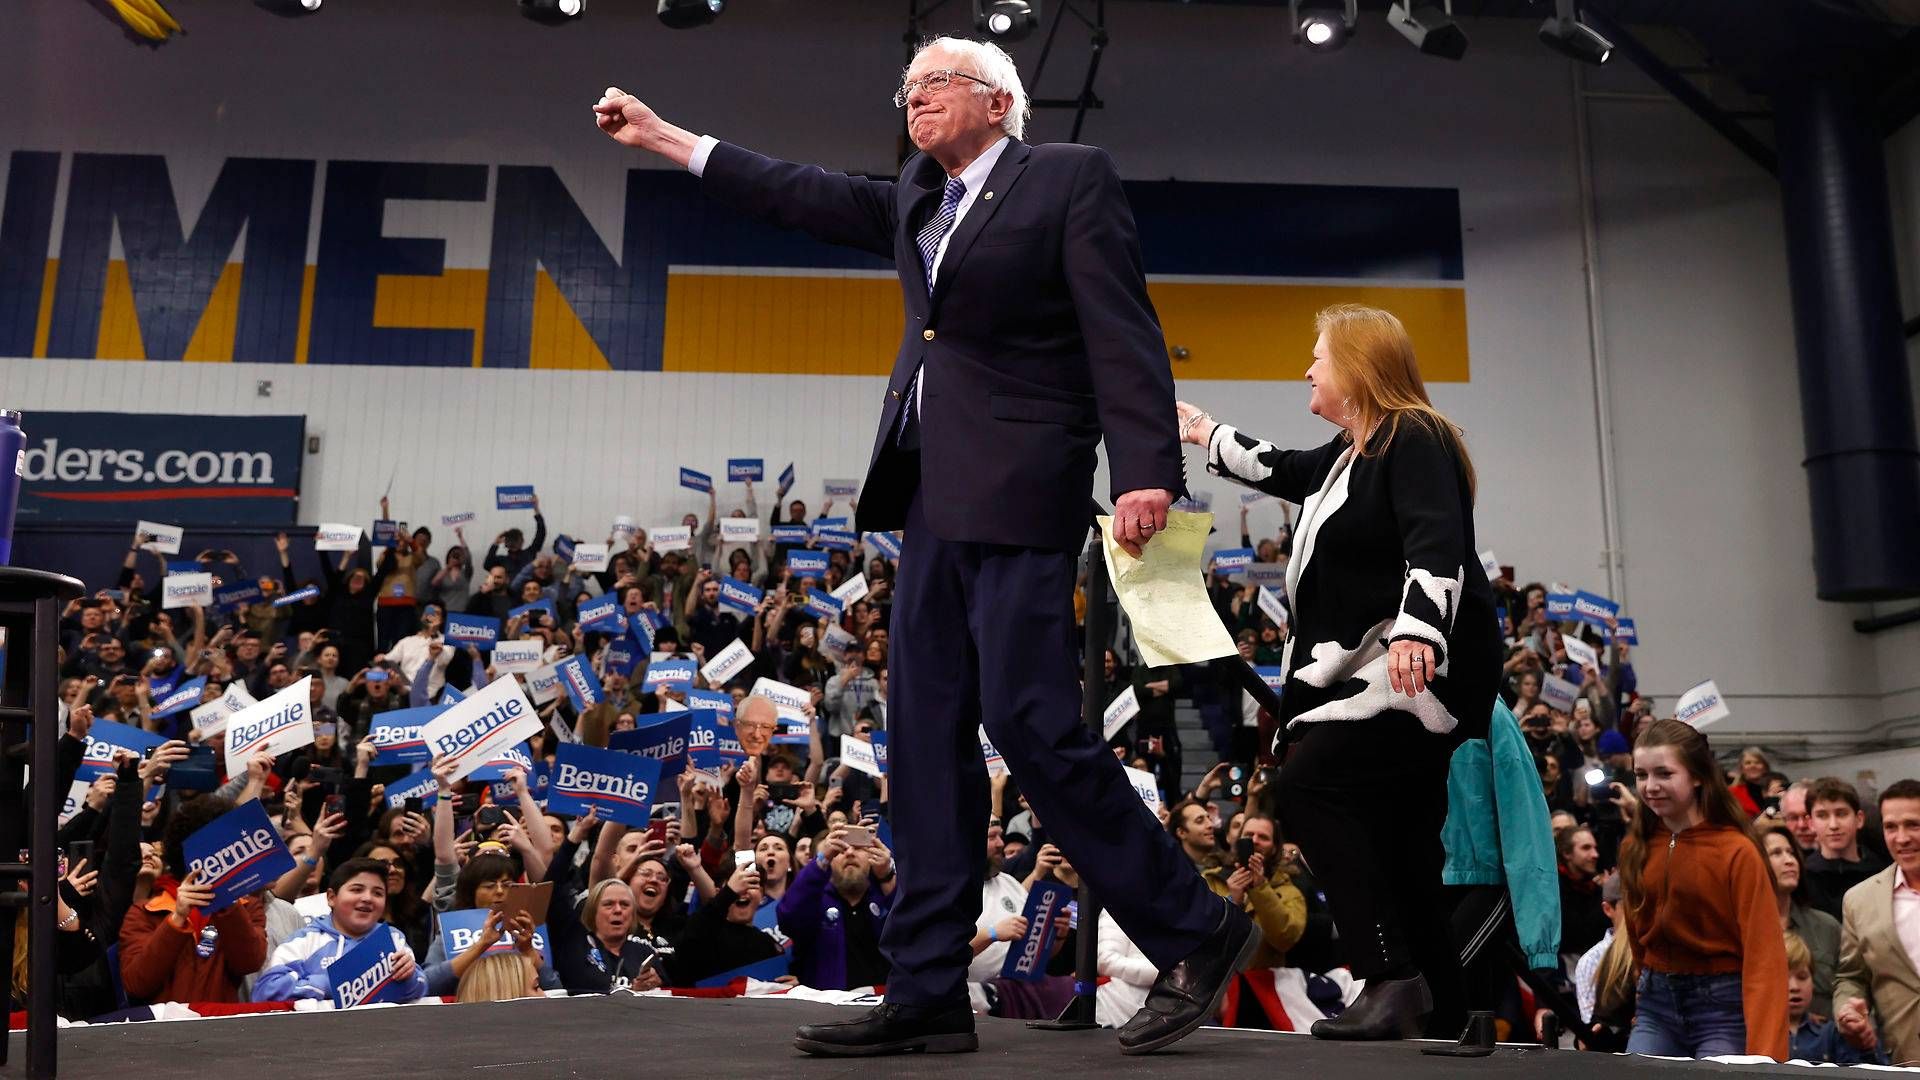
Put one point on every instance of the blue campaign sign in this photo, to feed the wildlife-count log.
(694, 479)
(397, 734)
(711, 741)
(824, 604)
(718, 701)
(1594, 609)
(1626, 632)
(422, 785)
(461, 926)
(667, 672)
(620, 784)
(887, 543)
(602, 613)
(1559, 606)
(831, 524)
(621, 657)
(513, 757)
(184, 696)
(807, 563)
(837, 539)
(106, 736)
(740, 596)
(184, 469)
(739, 469)
(766, 970)
(1027, 958)
(791, 534)
(582, 685)
(229, 597)
(563, 546)
(311, 592)
(450, 696)
(786, 477)
(664, 740)
(237, 853)
(525, 611)
(1232, 559)
(366, 974)
(383, 533)
(513, 497)
(480, 631)
(1275, 677)
(880, 752)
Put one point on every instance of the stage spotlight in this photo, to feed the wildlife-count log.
(1429, 26)
(552, 12)
(1006, 20)
(687, 14)
(289, 8)
(1564, 33)
(1323, 24)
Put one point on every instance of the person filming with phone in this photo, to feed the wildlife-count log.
(835, 909)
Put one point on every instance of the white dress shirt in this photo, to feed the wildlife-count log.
(974, 176)
(1906, 917)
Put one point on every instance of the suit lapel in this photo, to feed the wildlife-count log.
(924, 181)
(1880, 924)
(1013, 160)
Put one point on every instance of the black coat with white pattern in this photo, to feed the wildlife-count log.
(1384, 551)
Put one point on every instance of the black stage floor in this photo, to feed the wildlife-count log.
(632, 1036)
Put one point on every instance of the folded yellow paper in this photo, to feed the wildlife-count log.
(1164, 592)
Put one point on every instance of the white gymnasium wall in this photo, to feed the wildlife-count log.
(1691, 272)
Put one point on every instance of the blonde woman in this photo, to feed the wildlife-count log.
(1394, 659)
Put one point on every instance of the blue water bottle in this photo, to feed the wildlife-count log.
(13, 462)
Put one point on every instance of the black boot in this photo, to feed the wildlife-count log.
(1386, 1009)
(894, 1029)
(1188, 993)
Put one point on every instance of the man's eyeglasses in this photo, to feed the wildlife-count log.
(932, 82)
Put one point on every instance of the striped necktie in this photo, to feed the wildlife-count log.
(929, 237)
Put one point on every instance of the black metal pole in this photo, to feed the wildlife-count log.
(43, 989)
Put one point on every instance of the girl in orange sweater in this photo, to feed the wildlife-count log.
(1701, 915)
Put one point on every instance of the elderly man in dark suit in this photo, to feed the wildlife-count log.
(1029, 335)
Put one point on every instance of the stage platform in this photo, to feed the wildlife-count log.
(740, 1037)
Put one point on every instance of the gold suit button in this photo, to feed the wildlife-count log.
(928, 334)
(894, 394)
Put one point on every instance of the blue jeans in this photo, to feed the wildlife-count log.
(1691, 1016)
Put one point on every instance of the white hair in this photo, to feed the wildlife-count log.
(996, 70)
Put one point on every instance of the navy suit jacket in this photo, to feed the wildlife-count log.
(1037, 339)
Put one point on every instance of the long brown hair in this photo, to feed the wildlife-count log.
(1613, 981)
(1372, 358)
(1713, 796)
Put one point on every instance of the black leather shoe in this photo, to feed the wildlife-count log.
(1386, 1009)
(894, 1029)
(1188, 993)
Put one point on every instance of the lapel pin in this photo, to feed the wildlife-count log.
(988, 195)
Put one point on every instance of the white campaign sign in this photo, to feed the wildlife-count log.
(517, 656)
(1248, 498)
(1558, 693)
(187, 590)
(859, 755)
(1491, 564)
(1702, 705)
(1272, 607)
(838, 642)
(995, 763)
(76, 798)
(1580, 652)
(1124, 708)
(590, 558)
(741, 530)
(164, 539)
(448, 521)
(482, 727)
(334, 536)
(727, 663)
(1145, 786)
(851, 589)
(281, 723)
(543, 683)
(210, 719)
(671, 538)
(789, 702)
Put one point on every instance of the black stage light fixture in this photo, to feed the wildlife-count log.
(1429, 26)
(1564, 33)
(1323, 24)
(292, 9)
(552, 12)
(1005, 20)
(687, 14)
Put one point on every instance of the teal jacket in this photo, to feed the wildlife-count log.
(1498, 832)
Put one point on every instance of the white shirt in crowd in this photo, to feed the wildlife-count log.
(1001, 896)
(1129, 976)
(1586, 976)
(412, 651)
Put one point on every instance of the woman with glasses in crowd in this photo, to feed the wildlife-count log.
(482, 885)
(1819, 930)
(1394, 659)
